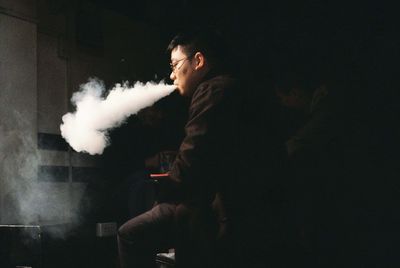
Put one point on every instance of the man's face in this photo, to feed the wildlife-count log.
(183, 71)
(294, 99)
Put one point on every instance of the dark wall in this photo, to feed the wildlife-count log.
(353, 44)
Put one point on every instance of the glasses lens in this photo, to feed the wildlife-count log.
(174, 65)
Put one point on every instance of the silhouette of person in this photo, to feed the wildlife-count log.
(185, 219)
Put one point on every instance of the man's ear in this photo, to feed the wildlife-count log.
(199, 60)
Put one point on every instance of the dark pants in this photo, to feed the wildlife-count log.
(192, 231)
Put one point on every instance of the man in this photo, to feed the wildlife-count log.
(316, 152)
(315, 104)
(206, 160)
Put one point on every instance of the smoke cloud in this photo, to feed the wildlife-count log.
(24, 199)
(19, 159)
(86, 130)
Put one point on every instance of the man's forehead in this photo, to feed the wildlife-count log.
(177, 53)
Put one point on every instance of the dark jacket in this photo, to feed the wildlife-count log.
(207, 154)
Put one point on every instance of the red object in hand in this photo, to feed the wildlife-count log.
(159, 175)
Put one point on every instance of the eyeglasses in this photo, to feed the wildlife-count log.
(174, 65)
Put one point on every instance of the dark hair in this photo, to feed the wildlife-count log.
(207, 41)
(304, 77)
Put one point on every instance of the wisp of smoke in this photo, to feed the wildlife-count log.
(86, 130)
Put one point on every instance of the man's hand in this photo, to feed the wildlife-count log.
(152, 163)
(160, 162)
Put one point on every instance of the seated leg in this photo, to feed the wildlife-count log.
(196, 230)
(140, 238)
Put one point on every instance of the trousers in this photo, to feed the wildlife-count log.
(191, 230)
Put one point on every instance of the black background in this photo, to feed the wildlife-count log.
(355, 42)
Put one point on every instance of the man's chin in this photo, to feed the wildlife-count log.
(181, 91)
(184, 92)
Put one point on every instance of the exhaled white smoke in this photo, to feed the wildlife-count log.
(86, 130)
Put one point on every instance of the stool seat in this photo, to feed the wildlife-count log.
(165, 260)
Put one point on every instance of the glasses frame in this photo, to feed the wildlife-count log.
(174, 65)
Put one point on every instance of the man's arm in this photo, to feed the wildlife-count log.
(195, 156)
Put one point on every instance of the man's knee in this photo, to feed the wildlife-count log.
(123, 233)
(131, 229)
(149, 225)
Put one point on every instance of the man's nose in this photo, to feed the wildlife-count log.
(172, 75)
